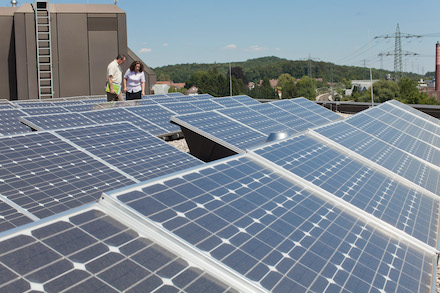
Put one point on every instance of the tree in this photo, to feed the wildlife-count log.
(384, 90)
(289, 90)
(283, 79)
(305, 88)
(238, 73)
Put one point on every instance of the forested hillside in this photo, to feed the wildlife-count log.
(272, 67)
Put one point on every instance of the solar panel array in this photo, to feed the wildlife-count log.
(239, 128)
(341, 205)
(151, 113)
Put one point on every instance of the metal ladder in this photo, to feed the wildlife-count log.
(44, 49)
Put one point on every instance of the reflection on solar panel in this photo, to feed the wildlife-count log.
(130, 149)
(92, 252)
(45, 175)
(9, 123)
(56, 121)
(276, 233)
(384, 154)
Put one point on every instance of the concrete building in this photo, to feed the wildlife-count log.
(76, 42)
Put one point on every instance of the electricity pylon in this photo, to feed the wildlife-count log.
(398, 53)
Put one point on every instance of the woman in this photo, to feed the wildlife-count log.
(134, 81)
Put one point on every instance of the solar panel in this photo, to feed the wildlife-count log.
(157, 115)
(176, 94)
(296, 109)
(310, 105)
(206, 105)
(294, 122)
(123, 114)
(246, 100)
(401, 139)
(182, 107)
(230, 133)
(11, 217)
(277, 234)
(361, 185)
(9, 123)
(202, 96)
(414, 111)
(56, 121)
(33, 104)
(45, 175)
(4, 106)
(256, 120)
(82, 108)
(43, 110)
(91, 251)
(130, 149)
(163, 100)
(384, 154)
(228, 102)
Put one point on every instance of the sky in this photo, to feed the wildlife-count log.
(343, 32)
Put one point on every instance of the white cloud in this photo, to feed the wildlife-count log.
(230, 47)
(165, 44)
(145, 50)
(257, 48)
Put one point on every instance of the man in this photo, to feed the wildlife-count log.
(114, 77)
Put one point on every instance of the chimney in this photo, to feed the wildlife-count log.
(437, 67)
(14, 3)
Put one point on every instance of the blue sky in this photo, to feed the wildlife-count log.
(340, 31)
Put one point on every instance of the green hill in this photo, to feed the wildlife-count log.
(272, 67)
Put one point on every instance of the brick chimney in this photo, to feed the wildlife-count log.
(437, 67)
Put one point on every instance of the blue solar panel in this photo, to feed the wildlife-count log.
(235, 135)
(4, 106)
(228, 102)
(164, 100)
(310, 105)
(82, 108)
(43, 111)
(356, 183)
(33, 104)
(407, 141)
(11, 217)
(203, 96)
(277, 234)
(176, 94)
(92, 252)
(123, 114)
(207, 105)
(157, 115)
(130, 149)
(296, 109)
(45, 175)
(9, 123)
(256, 120)
(246, 100)
(414, 112)
(182, 107)
(384, 154)
(56, 121)
(294, 122)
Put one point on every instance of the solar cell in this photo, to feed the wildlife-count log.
(296, 109)
(92, 252)
(361, 185)
(182, 107)
(176, 94)
(246, 100)
(4, 106)
(11, 217)
(414, 111)
(45, 175)
(281, 236)
(130, 149)
(9, 123)
(163, 100)
(56, 121)
(82, 108)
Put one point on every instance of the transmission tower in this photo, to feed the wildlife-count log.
(398, 53)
